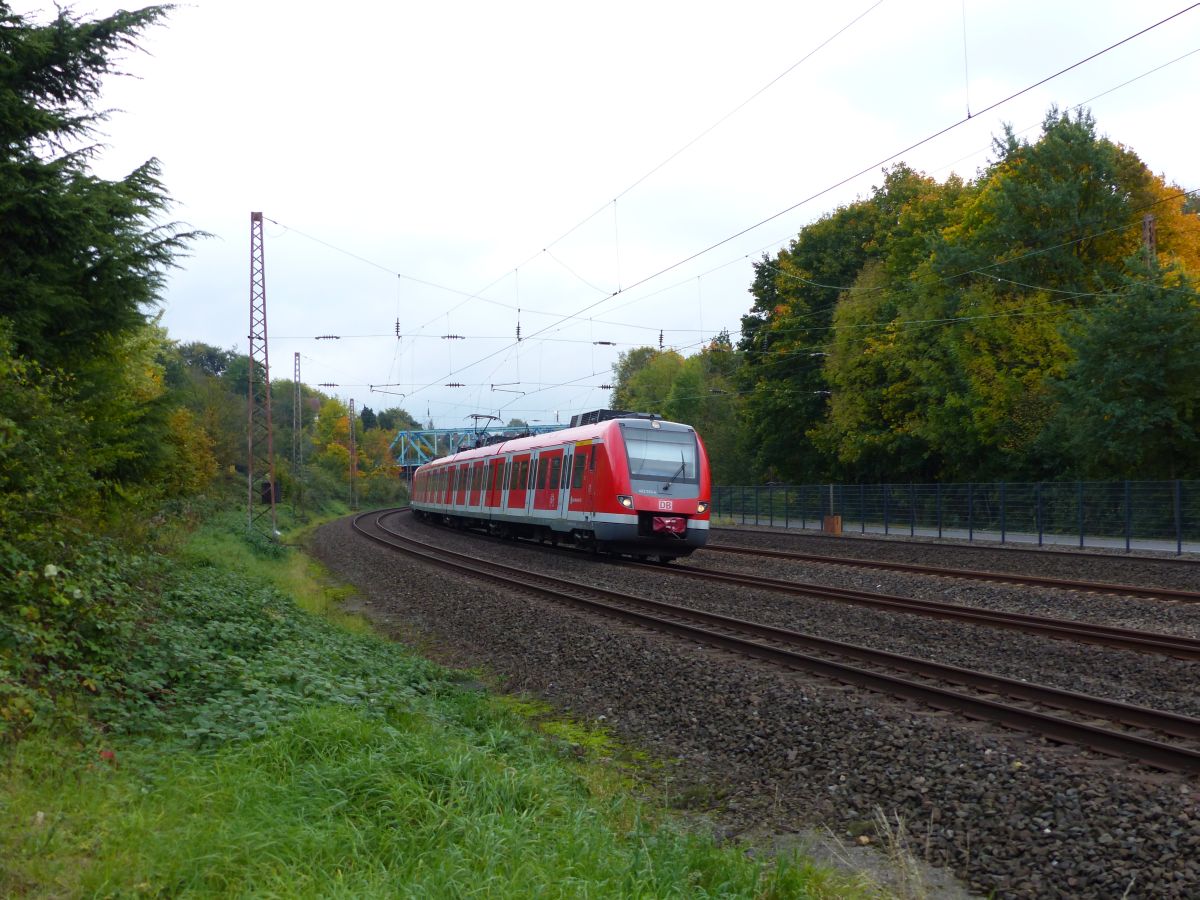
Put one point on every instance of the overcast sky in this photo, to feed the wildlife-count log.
(416, 154)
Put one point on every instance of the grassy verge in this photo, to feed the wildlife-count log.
(261, 749)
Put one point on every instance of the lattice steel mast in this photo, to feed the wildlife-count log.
(260, 464)
(297, 432)
(353, 455)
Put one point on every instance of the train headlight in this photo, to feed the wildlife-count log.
(625, 500)
(702, 506)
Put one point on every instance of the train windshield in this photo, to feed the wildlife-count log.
(660, 455)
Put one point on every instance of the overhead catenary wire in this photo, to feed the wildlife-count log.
(557, 316)
(782, 240)
(876, 165)
(478, 295)
(905, 324)
(670, 158)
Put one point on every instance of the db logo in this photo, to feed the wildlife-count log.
(666, 505)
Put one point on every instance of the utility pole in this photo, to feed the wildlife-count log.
(260, 462)
(353, 456)
(1150, 239)
(297, 430)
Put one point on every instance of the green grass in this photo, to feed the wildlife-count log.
(223, 544)
(262, 750)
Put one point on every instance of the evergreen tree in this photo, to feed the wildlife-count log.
(81, 258)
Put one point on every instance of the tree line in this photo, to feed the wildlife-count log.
(111, 432)
(1040, 321)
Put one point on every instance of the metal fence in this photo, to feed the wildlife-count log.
(1155, 515)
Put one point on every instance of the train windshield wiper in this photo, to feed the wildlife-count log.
(678, 472)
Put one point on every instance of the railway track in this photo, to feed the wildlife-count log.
(1127, 590)
(1189, 563)
(1158, 739)
(1060, 629)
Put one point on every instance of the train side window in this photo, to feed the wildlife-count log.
(580, 465)
(566, 472)
(533, 470)
(592, 459)
(555, 472)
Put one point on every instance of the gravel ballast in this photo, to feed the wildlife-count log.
(1093, 564)
(768, 753)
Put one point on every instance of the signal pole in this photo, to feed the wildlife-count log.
(260, 462)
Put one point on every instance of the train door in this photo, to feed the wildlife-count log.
(582, 478)
(494, 470)
(518, 483)
(531, 482)
(477, 483)
(548, 476)
(462, 473)
(564, 484)
(505, 467)
(589, 478)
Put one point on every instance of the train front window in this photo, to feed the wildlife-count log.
(663, 456)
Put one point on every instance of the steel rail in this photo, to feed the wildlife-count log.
(666, 617)
(1136, 640)
(1129, 590)
(1060, 629)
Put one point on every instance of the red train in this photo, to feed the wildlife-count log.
(630, 484)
